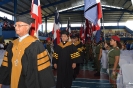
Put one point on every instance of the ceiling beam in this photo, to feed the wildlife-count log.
(109, 9)
(115, 9)
(50, 3)
(46, 6)
(4, 2)
(123, 12)
(66, 11)
(82, 12)
(11, 11)
(45, 12)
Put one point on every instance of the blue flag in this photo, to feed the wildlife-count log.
(98, 36)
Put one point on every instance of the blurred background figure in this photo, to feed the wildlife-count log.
(49, 47)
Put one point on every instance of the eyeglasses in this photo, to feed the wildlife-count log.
(19, 25)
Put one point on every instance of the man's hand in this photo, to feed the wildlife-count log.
(0, 85)
(55, 66)
(74, 65)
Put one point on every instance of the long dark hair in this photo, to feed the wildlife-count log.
(119, 45)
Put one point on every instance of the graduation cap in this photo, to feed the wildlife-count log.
(24, 19)
(65, 32)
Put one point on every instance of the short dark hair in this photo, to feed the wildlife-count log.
(64, 32)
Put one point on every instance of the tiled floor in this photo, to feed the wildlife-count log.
(86, 78)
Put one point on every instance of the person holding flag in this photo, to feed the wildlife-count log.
(97, 59)
(113, 59)
(93, 13)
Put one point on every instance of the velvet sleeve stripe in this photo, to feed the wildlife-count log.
(43, 61)
(43, 66)
(80, 49)
(55, 55)
(5, 60)
(41, 55)
(4, 63)
(75, 55)
(83, 48)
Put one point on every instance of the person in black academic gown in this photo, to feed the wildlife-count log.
(65, 58)
(75, 40)
(26, 63)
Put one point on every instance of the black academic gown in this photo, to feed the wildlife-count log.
(35, 72)
(64, 56)
(80, 49)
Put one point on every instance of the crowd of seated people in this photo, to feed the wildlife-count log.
(6, 25)
(40, 33)
(120, 34)
(4, 45)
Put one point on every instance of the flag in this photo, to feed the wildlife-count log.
(68, 26)
(98, 36)
(36, 14)
(88, 29)
(94, 30)
(82, 33)
(56, 29)
(93, 12)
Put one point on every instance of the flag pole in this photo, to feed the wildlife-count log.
(103, 28)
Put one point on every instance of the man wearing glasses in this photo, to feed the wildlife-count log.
(26, 63)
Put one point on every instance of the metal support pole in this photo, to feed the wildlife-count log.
(46, 25)
(15, 10)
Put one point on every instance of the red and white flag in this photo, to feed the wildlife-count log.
(82, 33)
(93, 12)
(56, 29)
(36, 14)
(68, 28)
